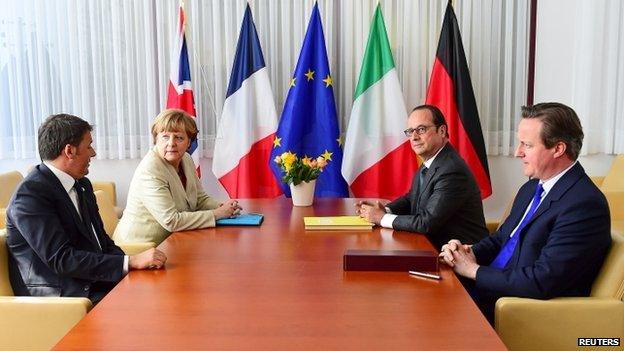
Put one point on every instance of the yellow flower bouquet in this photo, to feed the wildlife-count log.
(299, 169)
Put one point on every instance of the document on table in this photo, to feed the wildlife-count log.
(242, 219)
(337, 223)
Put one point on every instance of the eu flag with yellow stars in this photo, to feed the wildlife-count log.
(308, 125)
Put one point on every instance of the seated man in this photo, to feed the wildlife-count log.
(55, 235)
(444, 201)
(558, 232)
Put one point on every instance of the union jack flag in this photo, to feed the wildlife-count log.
(180, 92)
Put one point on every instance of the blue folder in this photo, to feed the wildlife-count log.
(244, 219)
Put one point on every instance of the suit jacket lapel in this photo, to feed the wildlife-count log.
(431, 173)
(414, 191)
(67, 202)
(523, 199)
(560, 188)
(177, 189)
(555, 194)
(95, 218)
(190, 191)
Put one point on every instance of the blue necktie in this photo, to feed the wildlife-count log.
(507, 251)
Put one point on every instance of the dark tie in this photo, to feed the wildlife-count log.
(508, 249)
(84, 212)
(421, 177)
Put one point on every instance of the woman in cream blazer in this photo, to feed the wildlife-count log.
(165, 193)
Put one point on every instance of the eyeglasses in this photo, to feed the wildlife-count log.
(420, 130)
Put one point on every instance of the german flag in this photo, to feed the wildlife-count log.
(450, 89)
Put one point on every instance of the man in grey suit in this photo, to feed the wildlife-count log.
(444, 201)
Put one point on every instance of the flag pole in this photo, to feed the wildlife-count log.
(203, 75)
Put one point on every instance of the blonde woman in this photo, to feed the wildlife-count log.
(165, 193)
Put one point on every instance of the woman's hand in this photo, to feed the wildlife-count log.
(227, 209)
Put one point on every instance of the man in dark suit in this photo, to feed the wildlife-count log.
(55, 235)
(558, 232)
(444, 201)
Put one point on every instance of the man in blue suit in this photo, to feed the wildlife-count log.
(558, 232)
(55, 235)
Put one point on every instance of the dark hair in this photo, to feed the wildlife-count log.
(559, 124)
(58, 131)
(438, 117)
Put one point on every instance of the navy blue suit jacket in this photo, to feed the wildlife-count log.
(51, 253)
(560, 250)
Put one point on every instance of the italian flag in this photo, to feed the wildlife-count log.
(378, 160)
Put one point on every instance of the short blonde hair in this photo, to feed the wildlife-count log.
(174, 120)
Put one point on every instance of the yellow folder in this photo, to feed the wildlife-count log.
(337, 223)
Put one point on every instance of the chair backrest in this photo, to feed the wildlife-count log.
(490, 224)
(5, 283)
(9, 182)
(616, 204)
(610, 280)
(506, 213)
(2, 218)
(614, 180)
(108, 188)
(107, 212)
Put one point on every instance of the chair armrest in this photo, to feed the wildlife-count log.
(528, 324)
(616, 204)
(135, 248)
(598, 180)
(617, 227)
(492, 225)
(107, 187)
(38, 323)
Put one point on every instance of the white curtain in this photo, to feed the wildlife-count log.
(580, 62)
(107, 61)
(101, 60)
(598, 71)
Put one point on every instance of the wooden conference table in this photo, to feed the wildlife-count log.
(279, 287)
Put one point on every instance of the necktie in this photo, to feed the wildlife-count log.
(421, 177)
(84, 212)
(508, 249)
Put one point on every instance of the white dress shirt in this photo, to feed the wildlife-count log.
(68, 182)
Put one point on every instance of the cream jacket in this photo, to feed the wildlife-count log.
(158, 204)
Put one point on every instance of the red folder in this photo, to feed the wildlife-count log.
(390, 260)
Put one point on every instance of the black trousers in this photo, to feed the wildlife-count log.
(99, 290)
(484, 301)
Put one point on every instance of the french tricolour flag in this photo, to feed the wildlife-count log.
(180, 92)
(248, 123)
